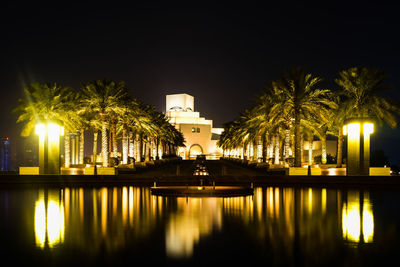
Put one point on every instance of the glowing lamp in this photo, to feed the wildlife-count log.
(40, 129)
(49, 147)
(358, 133)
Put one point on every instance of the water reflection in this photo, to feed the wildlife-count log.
(49, 219)
(286, 220)
(193, 219)
(358, 218)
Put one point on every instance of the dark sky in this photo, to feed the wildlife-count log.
(220, 54)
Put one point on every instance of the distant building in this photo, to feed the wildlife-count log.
(5, 154)
(30, 152)
(199, 134)
(331, 149)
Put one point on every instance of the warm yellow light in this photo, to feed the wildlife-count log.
(40, 223)
(40, 129)
(53, 131)
(368, 221)
(51, 224)
(62, 131)
(351, 222)
(368, 128)
(55, 223)
(353, 130)
(345, 130)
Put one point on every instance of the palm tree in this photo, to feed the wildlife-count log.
(362, 87)
(44, 102)
(103, 98)
(302, 100)
(47, 102)
(361, 98)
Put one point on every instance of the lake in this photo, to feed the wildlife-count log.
(127, 225)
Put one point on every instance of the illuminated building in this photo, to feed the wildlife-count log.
(5, 155)
(200, 136)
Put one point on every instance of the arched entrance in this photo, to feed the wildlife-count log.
(194, 151)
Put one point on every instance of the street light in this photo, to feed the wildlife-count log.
(358, 133)
(49, 147)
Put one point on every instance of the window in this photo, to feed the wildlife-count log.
(193, 129)
(198, 129)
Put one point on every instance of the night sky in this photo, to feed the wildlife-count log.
(220, 54)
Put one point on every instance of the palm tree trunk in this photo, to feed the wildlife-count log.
(131, 144)
(67, 149)
(104, 140)
(297, 140)
(340, 148)
(271, 147)
(323, 148)
(124, 146)
(81, 146)
(302, 148)
(264, 148)
(140, 146)
(146, 150)
(95, 146)
(157, 146)
(310, 149)
(287, 142)
(276, 160)
(255, 148)
(114, 139)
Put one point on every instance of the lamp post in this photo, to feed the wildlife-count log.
(358, 133)
(49, 147)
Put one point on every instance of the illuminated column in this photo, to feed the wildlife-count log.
(358, 138)
(49, 147)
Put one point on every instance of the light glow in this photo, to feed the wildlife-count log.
(354, 224)
(368, 128)
(49, 223)
(353, 130)
(40, 129)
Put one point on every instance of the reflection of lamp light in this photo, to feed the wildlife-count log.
(49, 221)
(358, 133)
(354, 223)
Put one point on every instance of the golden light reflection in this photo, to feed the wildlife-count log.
(368, 221)
(40, 223)
(357, 224)
(195, 218)
(124, 205)
(323, 200)
(310, 201)
(49, 220)
(104, 211)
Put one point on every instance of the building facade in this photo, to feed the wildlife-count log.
(5, 154)
(200, 136)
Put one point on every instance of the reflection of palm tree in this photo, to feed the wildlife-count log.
(103, 98)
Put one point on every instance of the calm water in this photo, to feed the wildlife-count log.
(276, 226)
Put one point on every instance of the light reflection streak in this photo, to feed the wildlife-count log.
(49, 220)
(274, 211)
(195, 218)
(357, 225)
